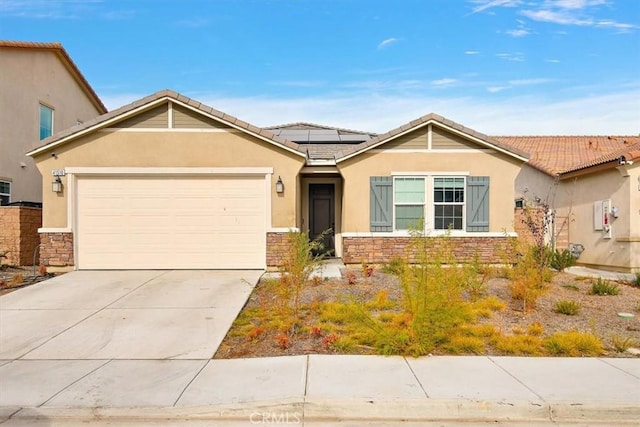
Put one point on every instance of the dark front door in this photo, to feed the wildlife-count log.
(322, 214)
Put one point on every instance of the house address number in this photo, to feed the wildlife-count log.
(58, 172)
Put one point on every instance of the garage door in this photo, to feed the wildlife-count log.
(171, 222)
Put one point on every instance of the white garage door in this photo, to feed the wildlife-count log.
(171, 222)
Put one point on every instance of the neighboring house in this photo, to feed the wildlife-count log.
(592, 185)
(43, 92)
(167, 182)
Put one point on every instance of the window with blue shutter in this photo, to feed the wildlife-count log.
(381, 203)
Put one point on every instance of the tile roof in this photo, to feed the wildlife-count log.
(64, 56)
(105, 119)
(557, 155)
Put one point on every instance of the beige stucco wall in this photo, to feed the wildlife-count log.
(356, 171)
(173, 149)
(575, 197)
(30, 77)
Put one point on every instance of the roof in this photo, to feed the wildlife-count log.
(66, 59)
(153, 100)
(304, 132)
(559, 155)
(442, 121)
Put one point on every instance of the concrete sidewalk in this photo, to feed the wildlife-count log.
(322, 390)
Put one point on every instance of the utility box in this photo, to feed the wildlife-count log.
(602, 217)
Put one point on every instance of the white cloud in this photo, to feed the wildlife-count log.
(496, 89)
(529, 82)
(513, 56)
(488, 4)
(518, 33)
(561, 12)
(579, 114)
(554, 61)
(471, 52)
(387, 42)
(444, 82)
(47, 9)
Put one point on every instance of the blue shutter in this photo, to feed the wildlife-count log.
(478, 203)
(381, 203)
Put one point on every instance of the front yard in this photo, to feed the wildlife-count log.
(459, 310)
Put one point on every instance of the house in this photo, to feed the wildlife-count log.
(591, 184)
(168, 182)
(43, 92)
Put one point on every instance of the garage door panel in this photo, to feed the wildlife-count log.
(171, 222)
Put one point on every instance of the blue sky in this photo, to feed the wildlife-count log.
(499, 66)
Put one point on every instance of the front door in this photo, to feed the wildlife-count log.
(322, 214)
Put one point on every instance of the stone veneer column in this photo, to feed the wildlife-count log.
(56, 249)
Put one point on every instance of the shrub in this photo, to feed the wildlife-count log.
(283, 341)
(562, 259)
(396, 266)
(604, 287)
(621, 343)
(298, 263)
(570, 308)
(636, 281)
(573, 343)
(464, 344)
(535, 329)
(519, 344)
(529, 278)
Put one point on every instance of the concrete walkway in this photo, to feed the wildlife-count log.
(321, 390)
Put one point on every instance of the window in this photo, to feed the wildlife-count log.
(440, 202)
(448, 203)
(46, 121)
(409, 202)
(5, 193)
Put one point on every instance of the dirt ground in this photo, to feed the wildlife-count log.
(598, 314)
(12, 278)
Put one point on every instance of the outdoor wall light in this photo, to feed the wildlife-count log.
(56, 186)
(279, 186)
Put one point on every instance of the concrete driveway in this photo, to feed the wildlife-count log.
(93, 315)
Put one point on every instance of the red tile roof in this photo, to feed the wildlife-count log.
(557, 155)
(66, 59)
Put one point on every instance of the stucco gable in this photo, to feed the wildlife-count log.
(458, 136)
(151, 107)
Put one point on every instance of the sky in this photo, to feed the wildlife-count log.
(501, 67)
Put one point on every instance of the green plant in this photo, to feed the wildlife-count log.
(522, 344)
(535, 329)
(604, 287)
(395, 266)
(571, 287)
(464, 344)
(298, 263)
(570, 308)
(573, 343)
(636, 280)
(560, 260)
(621, 343)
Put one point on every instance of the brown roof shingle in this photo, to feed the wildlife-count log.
(557, 155)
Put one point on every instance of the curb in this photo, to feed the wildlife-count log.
(296, 411)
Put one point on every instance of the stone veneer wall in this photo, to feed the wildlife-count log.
(56, 249)
(380, 250)
(19, 233)
(276, 248)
